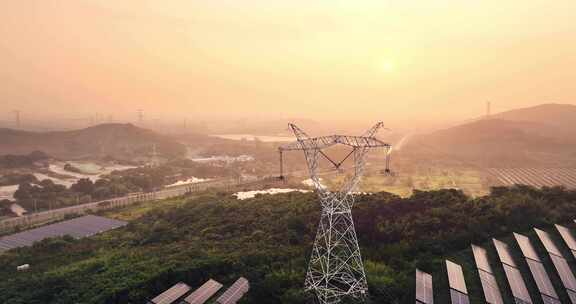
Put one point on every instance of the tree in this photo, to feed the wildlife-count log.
(24, 192)
(5, 207)
(84, 186)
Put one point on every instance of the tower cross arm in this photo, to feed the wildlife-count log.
(327, 141)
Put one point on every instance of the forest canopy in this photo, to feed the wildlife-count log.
(268, 240)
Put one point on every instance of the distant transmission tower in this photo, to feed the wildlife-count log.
(17, 118)
(140, 116)
(335, 269)
(155, 161)
(488, 109)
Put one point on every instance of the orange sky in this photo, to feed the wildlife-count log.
(403, 61)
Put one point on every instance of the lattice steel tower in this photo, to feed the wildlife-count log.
(335, 269)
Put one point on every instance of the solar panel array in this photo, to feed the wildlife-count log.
(78, 227)
(537, 177)
(489, 286)
(517, 284)
(235, 292)
(537, 270)
(549, 292)
(566, 276)
(424, 291)
(171, 295)
(203, 293)
(568, 238)
(458, 291)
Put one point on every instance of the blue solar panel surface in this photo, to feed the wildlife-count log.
(78, 227)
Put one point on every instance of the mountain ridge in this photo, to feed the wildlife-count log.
(119, 141)
(539, 134)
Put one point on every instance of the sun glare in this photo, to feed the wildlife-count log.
(387, 66)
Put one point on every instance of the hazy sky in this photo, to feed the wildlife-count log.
(398, 60)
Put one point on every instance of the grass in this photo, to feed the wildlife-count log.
(469, 180)
(138, 210)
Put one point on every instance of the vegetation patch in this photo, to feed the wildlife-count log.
(268, 240)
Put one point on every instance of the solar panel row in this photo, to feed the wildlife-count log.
(171, 295)
(517, 284)
(547, 242)
(560, 264)
(456, 277)
(537, 269)
(564, 272)
(78, 227)
(481, 258)
(235, 292)
(504, 253)
(489, 286)
(203, 293)
(492, 294)
(526, 247)
(568, 238)
(536, 177)
(458, 291)
(424, 291)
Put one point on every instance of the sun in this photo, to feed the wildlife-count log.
(387, 66)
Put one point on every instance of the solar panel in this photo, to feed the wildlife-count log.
(564, 272)
(572, 296)
(481, 258)
(536, 269)
(517, 284)
(547, 242)
(424, 291)
(503, 253)
(458, 298)
(203, 293)
(568, 238)
(235, 292)
(171, 295)
(560, 264)
(526, 247)
(456, 277)
(489, 286)
(541, 278)
(548, 300)
(78, 227)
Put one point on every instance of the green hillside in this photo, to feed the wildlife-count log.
(267, 239)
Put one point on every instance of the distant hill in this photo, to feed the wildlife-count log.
(118, 141)
(542, 134)
(556, 120)
(544, 113)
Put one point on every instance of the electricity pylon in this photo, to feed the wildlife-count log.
(335, 269)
